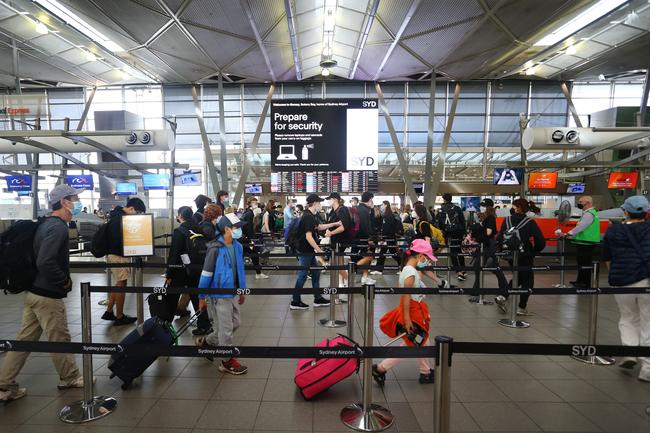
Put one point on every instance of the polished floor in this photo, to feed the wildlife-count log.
(490, 393)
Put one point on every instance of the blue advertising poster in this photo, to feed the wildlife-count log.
(470, 204)
(80, 181)
(19, 183)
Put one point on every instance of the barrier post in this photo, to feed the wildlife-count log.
(593, 324)
(366, 416)
(351, 301)
(512, 322)
(139, 282)
(561, 245)
(91, 407)
(442, 387)
(449, 262)
(331, 322)
(480, 299)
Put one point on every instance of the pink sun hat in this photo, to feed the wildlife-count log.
(423, 247)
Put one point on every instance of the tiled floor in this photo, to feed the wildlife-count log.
(490, 393)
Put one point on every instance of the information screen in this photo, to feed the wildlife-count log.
(542, 180)
(324, 182)
(253, 188)
(80, 181)
(19, 183)
(155, 181)
(575, 188)
(623, 179)
(418, 187)
(324, 135)
(126, 188)
(508, 176)
(187, 178)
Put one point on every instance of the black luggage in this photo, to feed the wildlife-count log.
(152, 331)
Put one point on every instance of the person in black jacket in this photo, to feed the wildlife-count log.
(249, 236)
(121, 275)
(533, 242)
(390, 228)
(365, 213)
(222, 200)
(451, 221)
(201, 201)
(177, 274)
(208, 226)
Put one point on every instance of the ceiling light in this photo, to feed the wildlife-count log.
(325, 72)
(597, 11)
(91, 57)
(571, 50)
(54, 7)
(632, 18)
(41, 28)
(530, 71)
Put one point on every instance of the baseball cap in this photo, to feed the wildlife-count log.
(423, 247)
(487, 202)
(636, 204)
(229, 220)
(335, 195)
(312, 198)
(62, 191)
(366, 196)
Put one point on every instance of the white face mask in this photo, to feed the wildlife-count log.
(413, 214)
(482, 209)
(382, 208)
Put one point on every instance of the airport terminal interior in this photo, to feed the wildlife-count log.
(336, 145)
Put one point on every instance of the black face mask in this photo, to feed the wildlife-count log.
(580, 206)
(512, 211)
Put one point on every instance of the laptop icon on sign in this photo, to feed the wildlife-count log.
(287, 153)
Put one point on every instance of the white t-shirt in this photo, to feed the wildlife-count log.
(410, 271)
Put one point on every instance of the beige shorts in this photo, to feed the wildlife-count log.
(119, 274)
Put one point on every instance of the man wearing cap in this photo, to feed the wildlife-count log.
(308, 228)
(224, 269)
(44, 309)
(586, 237)
(626, 250)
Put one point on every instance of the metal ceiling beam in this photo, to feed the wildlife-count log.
(370, 18)
(572, 108)
(288, 8)
(260, 43)
(108, 166)
(103, 148)
(440, 167)
(86, 109)
(613, 164)
(209, 161)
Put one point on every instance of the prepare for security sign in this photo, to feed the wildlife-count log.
(324, 135)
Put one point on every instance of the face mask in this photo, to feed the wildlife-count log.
(413, 214)
(76, 209)
(382, 208)
(254, 206)
(421, 265)
(236, 233)
(580, 206)
(482, 209)
(318, 207)
(226, 202)
(178, 220)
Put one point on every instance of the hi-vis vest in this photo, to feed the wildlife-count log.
(590, 235)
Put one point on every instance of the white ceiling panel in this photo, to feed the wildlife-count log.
(545, 70)
(357, 5)
(349, 19)
(96, 68)
(20, 26)
(586, 49)
(563, 61)
(302, 6)
(51, 43)
(346, 36)
(5, 13)
(310, 37)
(617, 34)
(341, 50)
(74, 56)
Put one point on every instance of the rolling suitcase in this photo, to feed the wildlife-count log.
(314, 376)
(152, 331)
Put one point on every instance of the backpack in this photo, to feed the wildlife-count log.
(17, 259)
(437, 238)
(397, 225)
(99, 244)
(293, 235)
(353, 231)
(451, 221)
(512, 240)
(196, 245)
(257, 222)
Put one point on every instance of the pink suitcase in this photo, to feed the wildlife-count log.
(314, 376)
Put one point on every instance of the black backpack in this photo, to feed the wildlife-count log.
(17, 259)
(451, 221)
(99, 244)
(512, 240)
(197, 248)
(397, 224)
(293, 235)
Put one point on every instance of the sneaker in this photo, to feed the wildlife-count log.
(298, 306)
(13, 394)
(628, 362)
(124, 320)
(201, 331)
(461, 277)
(341, 299)
(321, 302)
(309, 276)
(182, 313)
(76, 383)
(108, 315)
(376, 273)
(367, 280)
(427, 378)
(233, 367)
(523, 312)
(261, 276)
(379, 377)
(500, 302)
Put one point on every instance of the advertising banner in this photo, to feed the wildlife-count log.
(19, 183)
(623, 179)
(137, 235)
(22, 105)
(542, 180)
(324, 135)
(80, 181)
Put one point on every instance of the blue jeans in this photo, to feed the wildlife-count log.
(302, 276)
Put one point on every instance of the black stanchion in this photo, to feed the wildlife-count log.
(91, 407)
(351, 301)
(442, 387)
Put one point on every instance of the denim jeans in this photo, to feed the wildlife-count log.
(302, 276)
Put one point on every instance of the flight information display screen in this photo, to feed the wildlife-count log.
(321, 182)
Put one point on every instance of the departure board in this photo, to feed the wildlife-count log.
(322, 182)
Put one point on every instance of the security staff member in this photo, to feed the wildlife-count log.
(586, 237)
